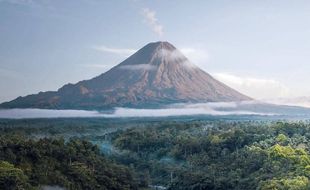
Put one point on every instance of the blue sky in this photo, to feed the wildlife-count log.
(260, 47)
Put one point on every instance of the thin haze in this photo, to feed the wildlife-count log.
(261, 48)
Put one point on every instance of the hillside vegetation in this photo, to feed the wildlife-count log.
(236, 155)
(172, 154)
(76, 164)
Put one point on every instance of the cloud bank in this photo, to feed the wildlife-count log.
(129, 112)
(197, 56)
(172, 110)
(254, 87)
(297, 101)
(117, 51)
(44, 113)
(184, 110)
(150, 18)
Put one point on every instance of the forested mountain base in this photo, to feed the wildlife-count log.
(172, 154)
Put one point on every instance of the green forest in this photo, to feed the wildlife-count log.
(76, 164)
(169, 154)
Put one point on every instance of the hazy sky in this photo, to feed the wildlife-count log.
(261, 48)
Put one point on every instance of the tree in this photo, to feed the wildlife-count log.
(296, 183)
(12, 178)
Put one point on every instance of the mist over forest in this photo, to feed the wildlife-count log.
(154, 95)
(171, 153)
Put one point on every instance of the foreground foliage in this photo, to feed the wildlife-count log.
(176, 154)
(76, 164)
(231, 155)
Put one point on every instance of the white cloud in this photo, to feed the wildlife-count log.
(150, 18)
(44, 113)
(217, 105)
(190, 109)
(197, 56)
(175, 55)
(255, 87)
(173, 110)
(297, 101)
(118, 51)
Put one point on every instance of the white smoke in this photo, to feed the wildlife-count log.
(150, 18)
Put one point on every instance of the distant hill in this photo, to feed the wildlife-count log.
(158, 74)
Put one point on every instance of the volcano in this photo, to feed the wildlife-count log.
(156, 75)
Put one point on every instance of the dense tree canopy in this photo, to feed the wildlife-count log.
(176, 154)
(228, 155)
(75, 164)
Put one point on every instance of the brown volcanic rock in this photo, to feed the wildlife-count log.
(156, 75)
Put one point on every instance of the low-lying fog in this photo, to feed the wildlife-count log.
(213, 109)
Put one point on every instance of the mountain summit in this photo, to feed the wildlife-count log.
(156, 75)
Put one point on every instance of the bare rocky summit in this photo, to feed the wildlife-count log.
(156, 75)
